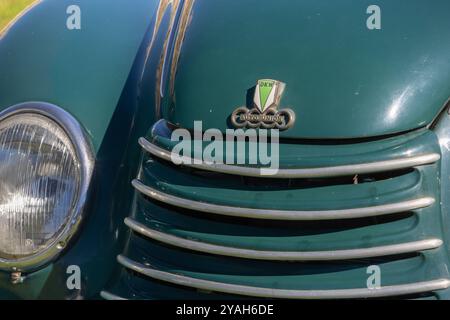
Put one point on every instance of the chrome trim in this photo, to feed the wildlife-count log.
(110, 296)
(283, 255)
(386, 291)
(273, 214)
(85, 155)
(175, 12)
(335, 171)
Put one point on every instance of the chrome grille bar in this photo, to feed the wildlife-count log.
(280, 255)
(282, 214)
(385, 291)
(110, 296)
(333, 171)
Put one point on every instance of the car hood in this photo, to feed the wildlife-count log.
(342, 79)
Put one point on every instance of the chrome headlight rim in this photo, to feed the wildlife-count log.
(84, 152)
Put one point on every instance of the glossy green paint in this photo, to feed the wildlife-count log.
(83, 71)
(343, 80)
(442, 131)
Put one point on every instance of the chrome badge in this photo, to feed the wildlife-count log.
(265, 113)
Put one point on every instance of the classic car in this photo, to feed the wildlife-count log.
(93, 205)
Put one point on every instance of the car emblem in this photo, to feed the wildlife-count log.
(265, 113)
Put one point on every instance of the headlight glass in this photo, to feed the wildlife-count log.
(39, 184)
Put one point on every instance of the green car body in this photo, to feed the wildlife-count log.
(360, 97)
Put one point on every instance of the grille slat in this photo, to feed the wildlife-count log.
(385, 291)
(110, 296)
(309, 232)
(296, 173)
(270, 235)
(283, 214)
(395, 249)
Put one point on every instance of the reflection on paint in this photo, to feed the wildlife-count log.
(398, 103)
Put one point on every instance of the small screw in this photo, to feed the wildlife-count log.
(61, 245)
(16, 277)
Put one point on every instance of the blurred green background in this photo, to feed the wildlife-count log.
(11, 8)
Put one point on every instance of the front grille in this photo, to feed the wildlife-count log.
(309, 232)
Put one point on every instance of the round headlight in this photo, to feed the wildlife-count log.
(45, 169)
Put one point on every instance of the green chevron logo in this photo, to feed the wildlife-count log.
(268, 94)
(265, 88)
